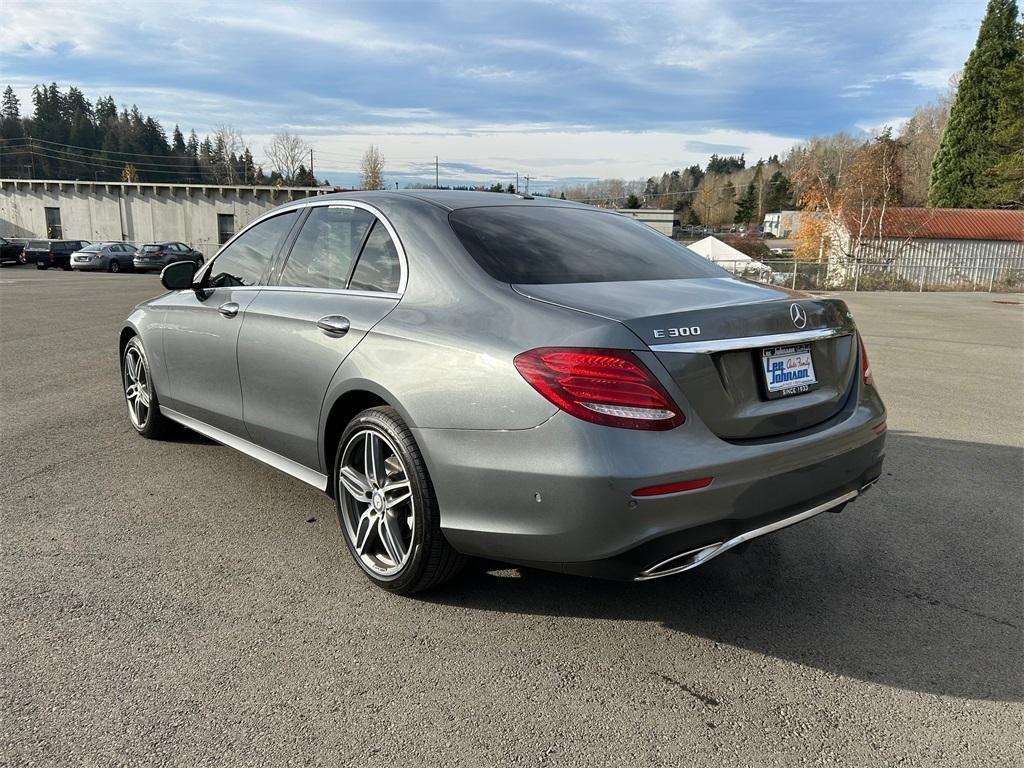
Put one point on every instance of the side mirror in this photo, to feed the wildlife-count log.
(178, 276)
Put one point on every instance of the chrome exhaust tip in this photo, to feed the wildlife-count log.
(696, 557)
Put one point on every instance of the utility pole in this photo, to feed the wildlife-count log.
(527, 177)
(436, 183)
(517, 182)
(311, 165)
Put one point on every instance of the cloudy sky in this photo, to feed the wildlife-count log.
(557, 90)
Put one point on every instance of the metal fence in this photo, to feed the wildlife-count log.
(994, 275)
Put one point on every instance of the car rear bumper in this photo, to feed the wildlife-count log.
(560, 496)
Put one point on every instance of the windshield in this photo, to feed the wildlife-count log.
(518, 244)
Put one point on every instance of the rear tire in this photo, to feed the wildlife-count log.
(114, 266)
(387, 508)
(140, 396)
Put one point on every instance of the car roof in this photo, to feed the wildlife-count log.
(450, 199)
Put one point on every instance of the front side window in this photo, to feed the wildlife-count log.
(378, 268)
(542, 245)
(325, 248)
(244, 261)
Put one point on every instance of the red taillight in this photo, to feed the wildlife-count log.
(604, 386)
(865, 366)
(685, 485)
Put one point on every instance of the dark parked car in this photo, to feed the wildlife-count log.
(526, 380)
(159, 255)
(52, 253)
(112, 256)
(11, 251)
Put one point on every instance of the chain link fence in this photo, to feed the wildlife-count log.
(991, 275)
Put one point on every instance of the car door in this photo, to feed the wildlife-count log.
(342, 275)
(201, 326)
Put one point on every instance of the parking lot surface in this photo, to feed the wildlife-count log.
(180, 604)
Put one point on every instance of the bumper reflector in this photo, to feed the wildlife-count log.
(685, 485)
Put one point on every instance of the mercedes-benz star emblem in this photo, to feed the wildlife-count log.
(798, 314)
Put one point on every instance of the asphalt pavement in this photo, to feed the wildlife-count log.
(180, 604)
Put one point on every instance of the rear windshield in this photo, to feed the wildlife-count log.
(93, 247)
(40, 245)
(518, 244)
(152, 247)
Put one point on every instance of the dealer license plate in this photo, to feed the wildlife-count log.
(788, 370)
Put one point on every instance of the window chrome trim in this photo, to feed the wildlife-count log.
(337, 291)
(313, 202)
(750, 342)
(275, 460)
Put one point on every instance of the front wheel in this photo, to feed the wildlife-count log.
(386, 506)
(143, 407)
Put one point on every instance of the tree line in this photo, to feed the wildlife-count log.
(69, 137)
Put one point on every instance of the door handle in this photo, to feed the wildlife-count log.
(228, 310)
(334, 325)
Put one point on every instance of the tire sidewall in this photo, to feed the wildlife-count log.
(389, 424)
(153, 405)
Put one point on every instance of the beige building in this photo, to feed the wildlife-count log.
(656, 218)
(198, 214)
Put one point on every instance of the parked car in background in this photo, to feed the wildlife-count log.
(159, 255)
(11, 251)
(52, 253)
(112, 256)
(527, 380)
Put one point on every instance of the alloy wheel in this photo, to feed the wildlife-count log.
(378, 509)
(136, 387)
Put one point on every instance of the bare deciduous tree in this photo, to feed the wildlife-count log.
(285, 153)
(228, 146)
(372, 169)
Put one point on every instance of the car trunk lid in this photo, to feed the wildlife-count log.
(711, 336)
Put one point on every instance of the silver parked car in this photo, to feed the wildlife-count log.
(526, 380)
(111, 256)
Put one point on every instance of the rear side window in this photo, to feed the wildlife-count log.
(152, 248)
(244, 261)
(325, 248)
(378, 268)
(520, 244)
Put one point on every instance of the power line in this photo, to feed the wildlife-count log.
(57, 146)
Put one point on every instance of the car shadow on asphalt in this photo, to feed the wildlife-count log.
(917, 585)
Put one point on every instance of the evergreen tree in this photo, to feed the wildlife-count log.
(1006, 188)
(746, 206)
(779, 195)
(632, 202)
(178, 143)
(969, 148)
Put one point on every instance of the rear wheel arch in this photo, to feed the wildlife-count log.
(342, 411)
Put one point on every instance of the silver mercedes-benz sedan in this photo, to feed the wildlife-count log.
(520, 379)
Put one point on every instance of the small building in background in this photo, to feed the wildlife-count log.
(951, 247)
(782, 223)
(731, 259)
(202, 215)
(660, 219)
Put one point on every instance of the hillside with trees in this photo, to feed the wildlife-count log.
(68, 137)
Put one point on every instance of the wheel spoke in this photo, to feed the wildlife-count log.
(133, 366)
(364, 530)
(374, 459)
(391, 538)
(143, 396)
(355, 483)
(402, 492)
